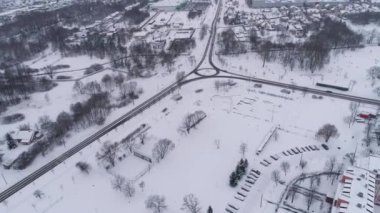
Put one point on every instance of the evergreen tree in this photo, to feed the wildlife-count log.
(209, 210)
(246, 163)
(240, 169)
(233, 179)
(10, 141)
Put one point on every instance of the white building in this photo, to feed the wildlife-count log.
(167, 5)
(201, 1)
(356, 192)
(24, 136)
(183, 34)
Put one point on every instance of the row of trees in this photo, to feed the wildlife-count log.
(108, 153)
(83, 114)
(191, 120)
(314, 53)
(18, 82)
(240, 171)
(190, 204)
(135, 15)
(35, 29)
(311, 55)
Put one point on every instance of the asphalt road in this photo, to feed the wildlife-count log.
(137, 110)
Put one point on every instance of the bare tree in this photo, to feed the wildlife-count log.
(38, 194)
(91, 88)
(191, 120)
(374, 73)
(293, 193)
(354, 106)
(276, 176)
(142, 137)
(129, 144)
(217, 143)
(118, 182)
(318, 180)
(119, 79)
(142, 185)
(83, 167)
(303, 164)
(243, 149)
(351, 158)
(128, 189)
(180, 76)
(327, 131)
(107, 153)
(217, 85)
(129, 90)
(285, 166)
(107, 81)
(156, 203)
(368, 139)
(203, 31)
(191, 204)
(310, 197)
(161, 148)
(330, 164)
(78, 87)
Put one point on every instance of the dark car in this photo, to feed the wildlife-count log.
(325, 146)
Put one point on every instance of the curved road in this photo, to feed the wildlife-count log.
(137, 110)
(166, 91)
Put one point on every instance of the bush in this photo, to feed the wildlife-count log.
(365, 18)
(63, 77)
(135, 16)
(83, 167)
(10, 119)
(93, 68)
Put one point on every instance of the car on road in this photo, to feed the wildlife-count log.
(328, 91)
(325, 146)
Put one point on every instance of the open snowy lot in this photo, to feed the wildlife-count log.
(348, 68)
(202, 160)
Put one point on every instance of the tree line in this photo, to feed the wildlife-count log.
(17, 83)
(312, 54)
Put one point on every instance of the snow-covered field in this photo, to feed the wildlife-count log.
(348, 68)
(59, 99)
(241, 115)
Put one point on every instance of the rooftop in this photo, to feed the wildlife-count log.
(356, 191)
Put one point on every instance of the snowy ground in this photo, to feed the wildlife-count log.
(60, 98)
(350, 67)
(196, 165)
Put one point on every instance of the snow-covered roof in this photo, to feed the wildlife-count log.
(356, 191)
(140, 34)
(24, 136)
(183, 34)
(168, 3)
(366, 108)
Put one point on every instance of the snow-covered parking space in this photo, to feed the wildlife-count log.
(202, 160)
